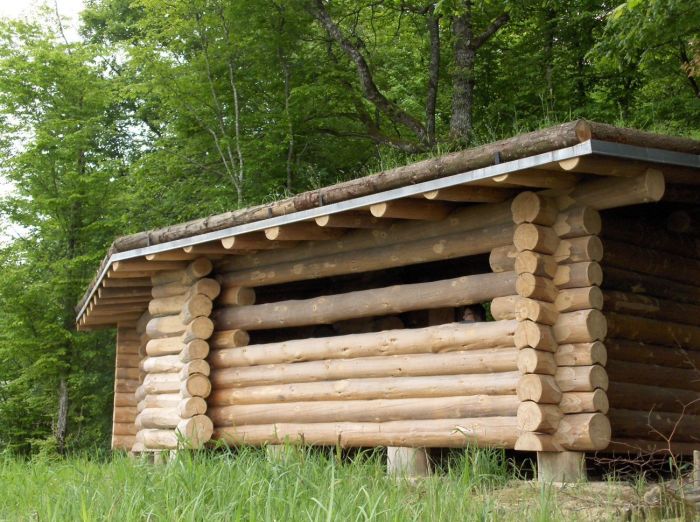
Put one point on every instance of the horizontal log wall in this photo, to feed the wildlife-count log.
(651, 293)
(126, 377)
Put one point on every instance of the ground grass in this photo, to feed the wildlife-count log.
(300, 484)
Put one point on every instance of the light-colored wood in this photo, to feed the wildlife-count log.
(139, 291)
(528, 262)
(651, 307)
(561, 467)
(141, 265)
(253, 241)
(534, 335)
(543, 418)
(674, 356)
(164, 346)
(536, 361)
(197, 269)
(576, 222)
(164, 364)
(530, 207)
(612, 192)
(207, 249)
(158, 418)
(604, 166)
(583, 326)
(378, 410)
(159, 401)
(653, 397)
(503, 308)
(480, 432)
(502, 259)
(159, 439)
(470, 362)
(229, 339)
(198, 366)
(574, 299)
(236, 295)
(169, 290)
(350, 219)
(581, 354)
(584, 431)
(581, 378)
(537, 311)
(577, 249)
(128, 283)
(535, 178)
(463, 220)
(584, 402)
(124, 399)
(124, 428)
(411, 209)
(542, 389)
(469, 194)
(407, 462)
(535, 287)
(155, 383)
(196, 430)
(125, 413)
(329, 309)
(194, 350)
(172, 325)
(653, 331)
(529, 441)
(446, 247)
(579, 275)
(302, 232)
(375, 388)
(196, 385)
(190, 406)
(123, 442)
(654, 425)
(196, 306)
(435, 339)
(528, 236)
(199, 328)
(127, 373)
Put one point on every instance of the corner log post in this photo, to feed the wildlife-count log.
(562, 388)
(174, 373)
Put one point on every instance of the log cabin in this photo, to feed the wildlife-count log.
(540, 294)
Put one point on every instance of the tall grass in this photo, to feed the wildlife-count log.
(298, 484)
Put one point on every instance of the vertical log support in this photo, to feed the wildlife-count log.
(562, 388)
(175, 373)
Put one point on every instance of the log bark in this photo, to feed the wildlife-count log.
(350, 219)
(542, 389)
(469, 194)
(648, 234)
(536, 238)
(481, 432)
(367, 303)
(581, 378)
(411, 209)
(578, 275)
(585, 402)
(584, 431)
(471, 362)
(584, 326)
(652, 331)
(626, 280)
(653, 308)
(581, 354)
(623, 350)
(654, 375)
(575, 299)
(647, 398)
(414, 252)
(373, 388)
(302, 232)
(379, 410)
(647, 261)
(542, 418)
(530, 207)
(433, 339)
(654, 425)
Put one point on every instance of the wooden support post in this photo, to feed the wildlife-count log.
(407, 462)
(561, 466)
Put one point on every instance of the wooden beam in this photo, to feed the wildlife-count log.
(350, 219)
(175, 255)
(111, 274)
(208, 249)
(604, 166)
(140, 265)
(302, 232)
(469, 194)
(132, 282)
(411, 209)
(537, 179)
(252, 241)
(124, 292)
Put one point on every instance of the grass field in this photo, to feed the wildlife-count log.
(301, 484)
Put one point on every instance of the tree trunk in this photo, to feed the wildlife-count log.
(463, 77)
(62, 421)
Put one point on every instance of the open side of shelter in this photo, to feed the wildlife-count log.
(538, 294)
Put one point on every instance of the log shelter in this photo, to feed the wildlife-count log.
(540, 293)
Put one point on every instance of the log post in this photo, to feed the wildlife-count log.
(175, 375)
(407, 462)
(127, 361)
(561, 353)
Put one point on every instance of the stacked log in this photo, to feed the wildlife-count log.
(561, 359)
(175, 381)
(652, 301)
(126, 380)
